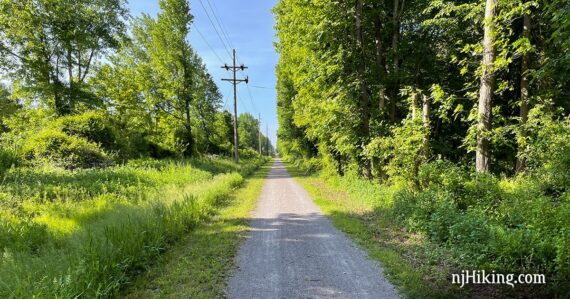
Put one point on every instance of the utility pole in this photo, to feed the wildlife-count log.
(267, 136)
(259, 133)
(235, 82)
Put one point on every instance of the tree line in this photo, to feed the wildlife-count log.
(384, 86)
(84, 83)
(450, 119)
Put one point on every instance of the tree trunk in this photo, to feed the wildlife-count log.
(364, 96)
(415, 98)
(190, 147)
(482, 162)
(524, 91)
(380, 63)
(426, 110)
(395, 78)
(382, 101)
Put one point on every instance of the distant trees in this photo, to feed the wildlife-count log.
(352, 73)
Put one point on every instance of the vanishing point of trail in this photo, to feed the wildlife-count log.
(293, 251)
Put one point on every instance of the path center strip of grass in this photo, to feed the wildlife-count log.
(198, 265)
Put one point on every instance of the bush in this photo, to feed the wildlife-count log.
(159, 151)
(92, 126)
(547, 148)
(401, 154)
(8, 158)
(248, 153)
(443, 217)
(66, 151)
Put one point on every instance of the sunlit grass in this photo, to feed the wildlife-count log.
(85, 233)
(198, 266)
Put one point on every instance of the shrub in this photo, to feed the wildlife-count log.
(92, 126)
(547, 148)
(471, 232)
(158, 151)
(248, 153)
(8, 158)
(444, 216)
(442, 174)
(563, 257)
(401, 153)
(66, 151)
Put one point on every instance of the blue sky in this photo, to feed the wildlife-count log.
(249, 28)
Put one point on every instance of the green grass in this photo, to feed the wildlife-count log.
(412, 264)
(198, 265)
(88, 232)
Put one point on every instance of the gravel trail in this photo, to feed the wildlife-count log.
(293, 251)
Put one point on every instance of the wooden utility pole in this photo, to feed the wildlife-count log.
(235, 82)
(259, 133)
(267, 136)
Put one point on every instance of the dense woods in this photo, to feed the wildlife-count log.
(113, 144)
(459, 108)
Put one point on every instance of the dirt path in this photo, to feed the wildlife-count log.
(293, 251)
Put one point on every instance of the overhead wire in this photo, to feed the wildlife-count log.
(220, 23)
(227, 41)
(215, 28)
(207, 43)
(261, 87)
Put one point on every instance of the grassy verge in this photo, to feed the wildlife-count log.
(198, 265)
(86, 233)
(410, 263)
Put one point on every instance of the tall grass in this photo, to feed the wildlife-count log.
(86, 233)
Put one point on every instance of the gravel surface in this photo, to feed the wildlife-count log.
(293, 251)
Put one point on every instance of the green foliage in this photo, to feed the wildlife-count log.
(151, 95)
(503, 225)
(63, 150)
(546, 148)
(8, 159)
(87, 232)
(52, 46)
(399, 155)
(93, 126)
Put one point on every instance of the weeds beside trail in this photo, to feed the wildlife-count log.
(88, 232)
(198, 265)
(379, 218)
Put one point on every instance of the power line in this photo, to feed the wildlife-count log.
(235, 82)
(226, 100)
(261, 87)
(207, 43)
(251, 99)
(247, 107)
(220, 24)
(215, 28)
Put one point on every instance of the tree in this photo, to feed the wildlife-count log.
(486, 90)
(171, 57)
(524, 86)
(52, 45)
